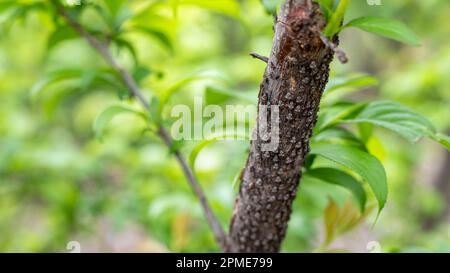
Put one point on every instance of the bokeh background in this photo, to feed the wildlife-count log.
(59, 183)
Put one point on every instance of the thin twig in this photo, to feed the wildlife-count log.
(342, 57)
(259, 57)
(133, 88)
(213, 222)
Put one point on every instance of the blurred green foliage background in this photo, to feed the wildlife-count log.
(58, 183)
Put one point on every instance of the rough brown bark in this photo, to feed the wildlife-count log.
(295, 77)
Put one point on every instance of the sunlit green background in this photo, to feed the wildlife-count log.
(58, 183)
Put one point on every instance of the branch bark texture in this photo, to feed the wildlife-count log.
(295, 78)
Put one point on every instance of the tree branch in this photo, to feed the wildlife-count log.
(259, 57)
(294, 80)
(342, 57)
(134, 90)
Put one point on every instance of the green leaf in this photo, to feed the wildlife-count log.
(215, 95)
(395, 117)
(115, 6)
(352, 82)
(108, 114)
(149, 15)
(340, 178)
(58, 76)
(116, 9)
(205, 143)
(336, 135)
(363, 164)
(61, 34)
(19, 11)
(7, 4)
(442, 139)
(338, 221)
(386, 27)
(270, 5)
(327, 7)
(87, 78)
(124, 44)
(176, 146)
(331, 216)
(334, 24)
(237, 179)
(81, 79)
(155, 109)
(156, 34)
(203, 75)
(365, 131)
(140, 73)
(114, 13)
(340, 87)
(333, 115)
(121, 17)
